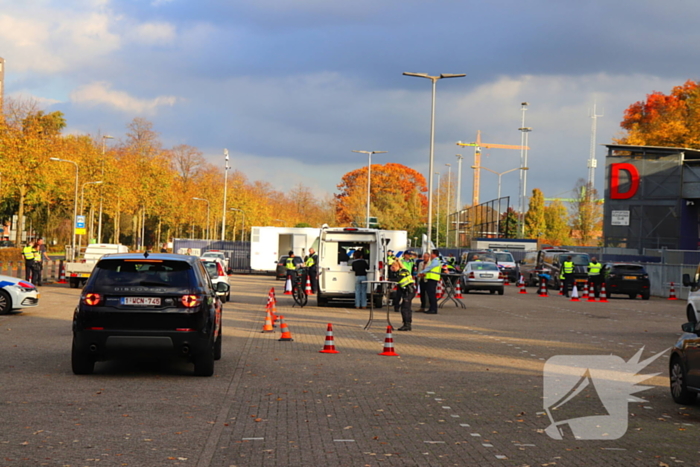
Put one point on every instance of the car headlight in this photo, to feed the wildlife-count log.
(24, 286)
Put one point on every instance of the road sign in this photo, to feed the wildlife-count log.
(80, 225)
(620, 218)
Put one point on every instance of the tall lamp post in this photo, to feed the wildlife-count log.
(524, 130)
(207, 201)
(434, 80)
(82, 208)
(447, 205)
(75, 202)
(99, 223)
(369, 174)
(243, 226)
(458, 198)
(437, 214)
(223, 216)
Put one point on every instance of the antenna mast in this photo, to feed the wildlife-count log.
(592, 162)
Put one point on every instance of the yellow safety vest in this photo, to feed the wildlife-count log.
(28, 252)
(405, 278)
(290, 263)
(568, 267)
(434, 273)
(594, 269)
(37, 256)
(310, 261)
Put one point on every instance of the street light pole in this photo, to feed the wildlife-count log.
(99, 224)
(447, 205)
(458, 198)
(434, 80)
(75, 201)
(243, 226)
(437, 214)
(223, 216)
(523, 163)
(369, 175)
(207, 201)
(82, 208)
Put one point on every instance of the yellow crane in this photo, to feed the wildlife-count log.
(477, 145)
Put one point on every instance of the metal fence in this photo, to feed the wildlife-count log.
(238, 253)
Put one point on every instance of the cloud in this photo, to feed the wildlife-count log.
(160, 33)
(99, 93)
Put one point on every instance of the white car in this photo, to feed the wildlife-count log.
(16, 293)
(217, 273)
(482, 275)
(214, 254)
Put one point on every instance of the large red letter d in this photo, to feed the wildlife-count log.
(615, 180)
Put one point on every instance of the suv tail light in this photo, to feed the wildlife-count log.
(191, 301)
(92, 299)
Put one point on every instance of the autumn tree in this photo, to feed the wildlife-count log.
(535, 225)
(508, 227)
(587, 212)
(557, 224)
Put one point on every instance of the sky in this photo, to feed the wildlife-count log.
(292, 87)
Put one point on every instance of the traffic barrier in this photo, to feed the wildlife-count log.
(267, 327)
(329, 346)
(672, 293)
(591, 292)
(585, 292)
(389, 344)
(286, 334)
(543, 287)
(523, 290)
(62, 273)
(603, 294)
(308, 290)
(288, 286)
(458, 290)
(574, 294)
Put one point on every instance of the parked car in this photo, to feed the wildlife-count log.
(482, 275)
(692, 307)
(684, 365)
(141, 305)
(629, 279)
(507, 265)
(16, 294)
(215, 269)
(281, 272)
(215, 254)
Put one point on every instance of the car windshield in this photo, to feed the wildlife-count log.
(211, 268)
(481, 266)
(144, 272)
(634, 268)
(481, 256)
(579, 259)
(504, 258)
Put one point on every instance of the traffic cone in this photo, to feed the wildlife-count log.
(591, 292)
(308, 286)
(672, 293)
(288, 287)
(523, 289)
(438, 294)
(505, 282)
(286, 335)
(584, 296)
(62, 274)
(389, 344)
(329, 346)
(543, 288)
(574, 294)
(267, 327)
(603, 295)
(272, 293)
(418, 291)
(561, 287)
(458, 290)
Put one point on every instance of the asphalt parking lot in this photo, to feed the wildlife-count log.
(466, 390)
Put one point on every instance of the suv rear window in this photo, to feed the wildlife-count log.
(628, 268)
(119, 272)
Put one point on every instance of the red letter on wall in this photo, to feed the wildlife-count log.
(615, 180)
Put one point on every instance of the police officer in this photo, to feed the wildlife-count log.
(407, 287)
(404, 262)
(594, 276)
(39, 256)
(312, 269)
(291, 264)
(28, 255)
(567, 269)
(431, 273)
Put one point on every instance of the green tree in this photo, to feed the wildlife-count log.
(587, 213)
(508, 227)
(556, 218)
(535, 224)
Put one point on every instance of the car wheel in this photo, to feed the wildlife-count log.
(5, 303)
(466, 290)
(632, 296)
(645, 296)
(81, 362)
(690, 313)
(679, 388)
(217, 345)
(500, 291)
(73, 283)
(204, 362)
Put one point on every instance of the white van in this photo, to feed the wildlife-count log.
(336, 279)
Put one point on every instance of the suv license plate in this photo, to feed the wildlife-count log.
(143, 301)
(629, 278)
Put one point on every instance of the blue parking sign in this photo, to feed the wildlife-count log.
(80, 222)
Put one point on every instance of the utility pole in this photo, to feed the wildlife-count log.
(458, 198)
(223, 215)
(592, 162)
(523, 163)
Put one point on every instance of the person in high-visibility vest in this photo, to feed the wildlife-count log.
(594, 276)
(291, 264)
(431, 273)
(567, 269)
(312, 269)
(28, 255)
(39, 257)
(407, 286)
(404, 262)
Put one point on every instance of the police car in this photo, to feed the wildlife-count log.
(16, 293)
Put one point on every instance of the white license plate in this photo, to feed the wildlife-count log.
(143, 301)
(486, 275)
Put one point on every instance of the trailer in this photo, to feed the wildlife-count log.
(268, 244)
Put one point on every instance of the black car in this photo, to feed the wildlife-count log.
(629, 279)
(684, 365)
(281, 272)
(158, 305)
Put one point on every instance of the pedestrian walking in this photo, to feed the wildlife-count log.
(594, 276)
(431, 273)
(407, 287)
(28, 255)
(360, 267)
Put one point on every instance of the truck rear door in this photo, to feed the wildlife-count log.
(335, 251)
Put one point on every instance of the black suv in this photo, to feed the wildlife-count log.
(156, 305)
(629, 279)
(684, 371)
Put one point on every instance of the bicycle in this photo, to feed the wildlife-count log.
(299, 288)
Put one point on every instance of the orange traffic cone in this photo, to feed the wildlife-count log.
(522, 287)
(672, 293)
(286, 335)
(603, 295)
(543, 288)
(561, 287)
(505, 282)
(62, 274)
(591, 292)
(458, 290)
(389, 344)
(272, 294)
(574, 294)
(308, 290)
(267, 327)
(439, 291)
(585, 292)
(329, 346)
(418, 291)
(288, 287)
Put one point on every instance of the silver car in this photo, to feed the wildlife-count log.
(217, 273)
(482, 275)
(16, 293)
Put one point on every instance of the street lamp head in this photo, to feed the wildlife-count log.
(448, 165)
(524, 104)
(418, 75)
(107, 137)
(451, 75)
(54, 159)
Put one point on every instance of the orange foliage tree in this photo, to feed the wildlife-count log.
(398, 199)
(665, 120)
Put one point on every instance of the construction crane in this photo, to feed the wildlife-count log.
(477, 160)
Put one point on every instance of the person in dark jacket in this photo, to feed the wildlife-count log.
(360, 267)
